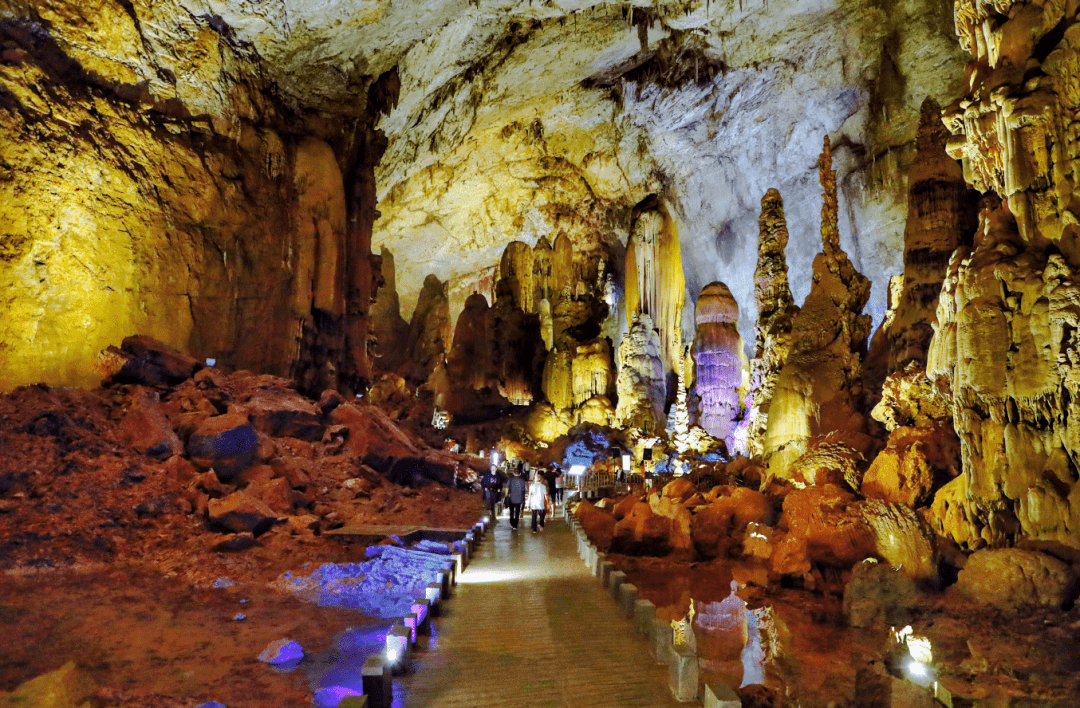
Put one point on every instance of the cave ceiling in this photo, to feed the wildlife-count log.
(521, 119)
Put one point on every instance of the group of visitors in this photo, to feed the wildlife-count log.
(539, 496)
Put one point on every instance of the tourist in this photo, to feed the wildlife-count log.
(516, 490)
(559, 481)
(492, 486)
(549, 476)
(539, 501)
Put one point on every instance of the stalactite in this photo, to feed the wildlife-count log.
(655, 259)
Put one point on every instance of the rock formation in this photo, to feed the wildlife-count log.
(640, 382)
(942, 215)
(471, 362)
(654, 276)
(776, 308)
(718, 359)
(817, 390)
(390, 329)
(429, 332)
(1005, 339)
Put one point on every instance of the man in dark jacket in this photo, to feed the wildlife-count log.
(492, 485)
(549, 476)
(516, 489)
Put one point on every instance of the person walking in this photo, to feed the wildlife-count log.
(550, 473)
(559, 483)
(539, 501)
(516, 490)
(492, 486)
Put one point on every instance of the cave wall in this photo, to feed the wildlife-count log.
(152, 181)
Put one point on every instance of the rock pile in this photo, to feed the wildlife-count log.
(86, 473)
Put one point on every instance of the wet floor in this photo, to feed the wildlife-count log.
(530, 626)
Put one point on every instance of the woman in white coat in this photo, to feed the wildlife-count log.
(539, 501)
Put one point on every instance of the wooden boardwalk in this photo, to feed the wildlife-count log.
(529, 627)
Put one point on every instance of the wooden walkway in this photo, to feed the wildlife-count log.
(529, 627)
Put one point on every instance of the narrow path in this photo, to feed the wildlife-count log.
(530, 627)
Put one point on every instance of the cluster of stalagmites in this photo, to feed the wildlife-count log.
(1005, 342)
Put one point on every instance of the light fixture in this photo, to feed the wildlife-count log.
(626, 462)
(494, 457)
(577, 469)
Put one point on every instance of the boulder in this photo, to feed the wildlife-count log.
(710, 530)
(227, 443)
(680, 488)
(878, 595)
(146, 428)
(256, 475)
(672, 508)
(66, 687)
(151, 363)
(624, 506)
(642, 532)
(234, 542)
(371, 432)
(240, 512)
(1015, 578)
(905, 472)
(275, 493)
(902, 539)
(599, 525)
(745, 505)
(282, 412)
(826, 519)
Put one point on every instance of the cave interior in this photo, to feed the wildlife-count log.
(272, 269)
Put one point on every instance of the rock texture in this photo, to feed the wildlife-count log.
(776, 308)
(718, 361)
(641, 384)
(817, 390)
(1004, 341)
(942, 215)
(154, 184)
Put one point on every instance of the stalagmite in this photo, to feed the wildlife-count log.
(640, 381)
(718, 359)
(543, 275)
(516, 269)
(776, 309)
(391, 330)
(562, 263)
(817, 389)
(942, 214)
(429, 331)
(1005, 342)
(518, 347)
(470, 362)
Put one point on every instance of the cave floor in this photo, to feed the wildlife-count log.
(529, 625)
